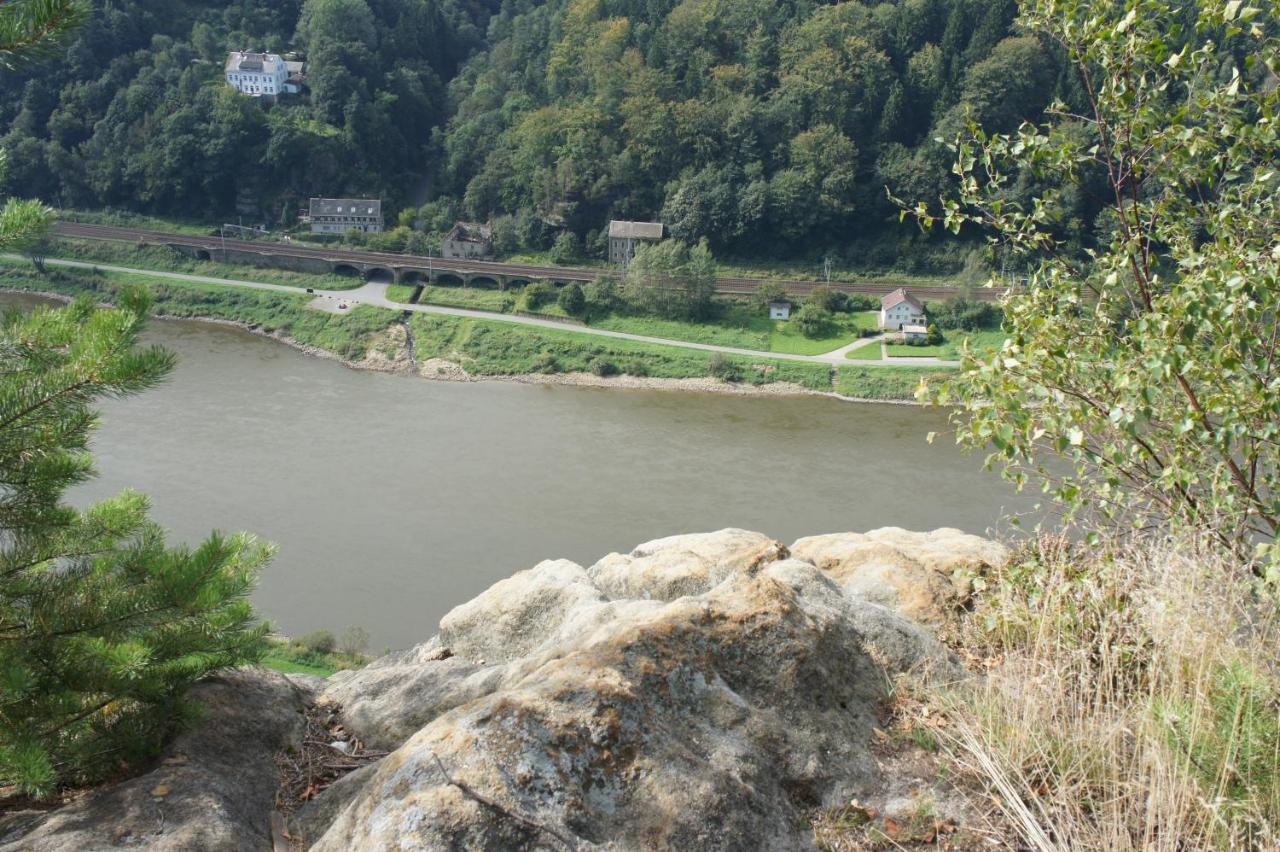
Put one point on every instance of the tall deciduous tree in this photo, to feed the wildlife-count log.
(672, 280)
(1151, 363)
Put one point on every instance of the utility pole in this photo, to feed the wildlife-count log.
(826, 268)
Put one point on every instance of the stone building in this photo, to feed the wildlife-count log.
(467, 239)
(624, 237)
(339, 215)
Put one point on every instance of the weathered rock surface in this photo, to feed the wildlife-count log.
(700, 692)
(213, 790)
(922, 575)
(667, 568)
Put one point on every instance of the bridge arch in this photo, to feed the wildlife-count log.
(379, 275)
(484, 282)
(413, 276)
(448, 279)
(346, 269)
(517, 283)
(203, 254)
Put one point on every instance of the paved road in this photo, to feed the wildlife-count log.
(213, 244)
(375, 293)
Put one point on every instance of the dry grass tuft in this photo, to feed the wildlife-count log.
(1131, 700)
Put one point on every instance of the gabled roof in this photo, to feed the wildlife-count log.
(635, 230)
(470, 232)
(897, 297)
(346, 207)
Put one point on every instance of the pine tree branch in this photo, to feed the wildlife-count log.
(34, 29)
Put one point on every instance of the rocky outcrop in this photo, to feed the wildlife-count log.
(212, 790)
(703, 691)
(922, 575)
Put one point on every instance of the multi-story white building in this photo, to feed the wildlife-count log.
(259, 74)
(339, 215)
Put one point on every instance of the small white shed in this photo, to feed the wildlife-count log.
(779, 310)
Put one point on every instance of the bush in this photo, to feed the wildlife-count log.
(635, 367)
(859, 302)
(823, 298)
(318, 641)
(546, 362)
(602, 366)
(770, 291)
(566, 249)
(965, 314)
(571, 299)
(813, 320)
(538, 294)
(601, 295)
(724, 369)
(355, 640)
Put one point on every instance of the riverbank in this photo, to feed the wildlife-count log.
(371, 337)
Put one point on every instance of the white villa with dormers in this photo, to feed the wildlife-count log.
(261, 74)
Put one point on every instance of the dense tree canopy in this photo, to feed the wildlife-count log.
(763, 127)
(759, 126)
(138, 115)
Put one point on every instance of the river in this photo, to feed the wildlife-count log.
(392, 499)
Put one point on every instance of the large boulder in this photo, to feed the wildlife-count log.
(713, 720)
(214, 788)
(923, 575)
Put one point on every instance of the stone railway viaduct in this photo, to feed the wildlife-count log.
(415, 269)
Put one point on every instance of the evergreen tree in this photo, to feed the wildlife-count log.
(102, 628)
(34, 29)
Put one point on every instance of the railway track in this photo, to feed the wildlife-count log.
(737, 286)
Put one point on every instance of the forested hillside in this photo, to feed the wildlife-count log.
(769, 128)
(138, 114)
(762, 126)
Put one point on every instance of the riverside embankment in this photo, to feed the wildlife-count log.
(393, 500)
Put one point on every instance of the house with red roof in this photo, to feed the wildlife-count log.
(899, 309)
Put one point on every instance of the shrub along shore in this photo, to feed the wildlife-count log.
(487, 349)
